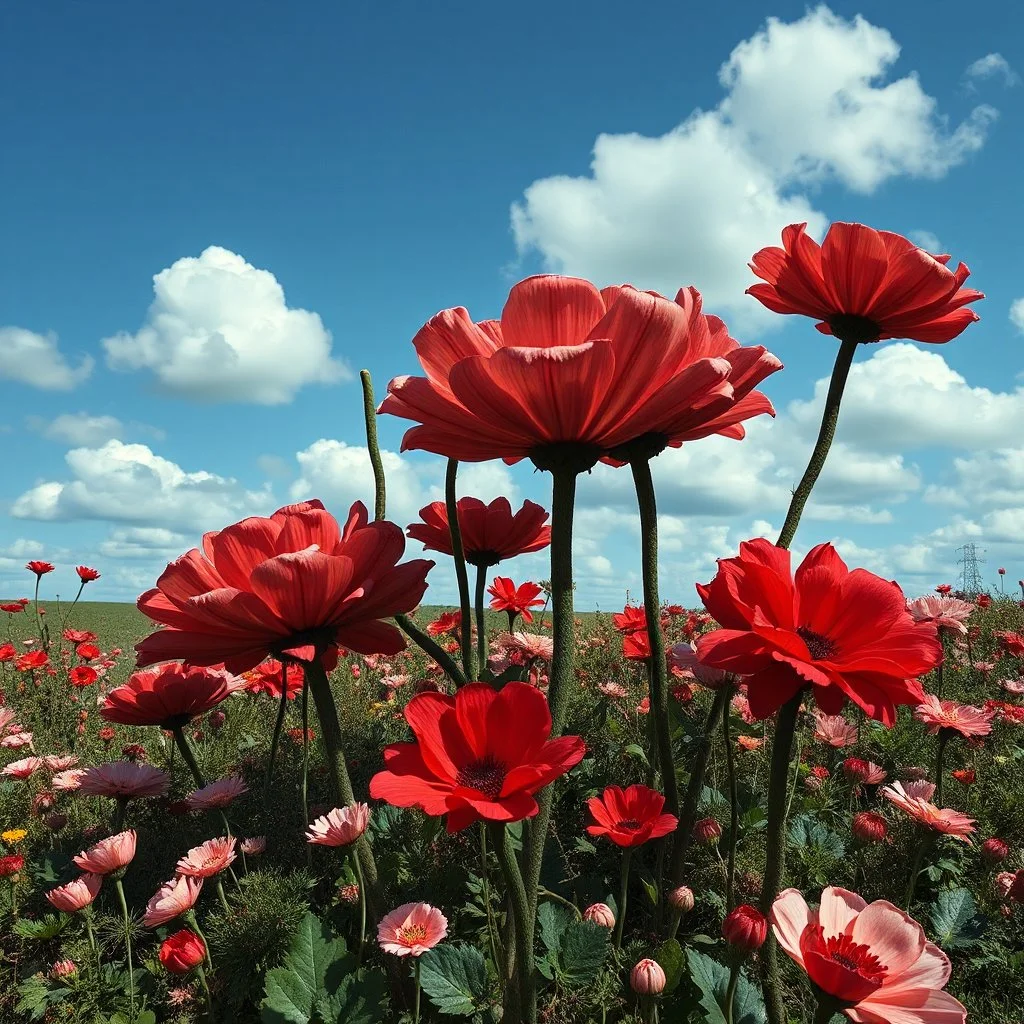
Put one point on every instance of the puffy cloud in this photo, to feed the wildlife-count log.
(805, 102)
(36, 360)
(219, 329)
(78, 428)
(992, 65)
(1017, 314)
(146, 543)
(128, 483)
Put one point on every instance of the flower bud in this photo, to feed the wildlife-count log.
(600, 913)
(1016, 892)
(707, 831)
(647, 978)
(869, 827)
(1002, 883)
(994, 850)
(855, 769)
(182, 951)
(812, 784)
(63, 969)
(681, 899)
(745, 928)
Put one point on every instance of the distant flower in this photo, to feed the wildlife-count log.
(507, 597)
(446, 622)
(632, 619)
(411, 929)
(965, 776)
(948, 822)
(707, 831)
(83, 675)
(681, 898)
(172, 899)
(684, 656)
(1012, 643)
(834, 730)
(22, 769)
(12, 609)
(182, 952)
(253, 846)
(124, 780)
(943, 588)
(11, 865)
(77, 894)
(16, 740)
(266, 678)
(947, 714)
(749, 743)
(63, 969)
(340, 827)
(108, 855)
(169, 696)
(636, 646)
(869, 827)
(529, 645)
(221, 793)
(948, 614)
(615, 691)
(40, 568)
(88, 651)
(995, 850)
(630, 817)
(13, 836)
(984, 601)
(209, 858)
(31, 660)
(87, 575)
(67, 780)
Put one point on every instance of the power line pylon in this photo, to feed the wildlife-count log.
(970, 573)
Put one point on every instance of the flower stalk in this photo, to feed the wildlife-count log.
(522, 925)
(372, 445)
(627, 857)
(481, 624)
(459, 555)
(734, 818)
(275, 740)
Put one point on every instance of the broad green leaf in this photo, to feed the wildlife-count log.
(635, 750)
(45, 928)
(583, 948)
(955, 919)
(357, 1000)
(455, 978)
(712, 979)
(670, 956)
(553, 919)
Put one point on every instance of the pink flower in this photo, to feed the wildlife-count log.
(124, 780)
(60, 762)
(530, 645)
(947, 714)
(217, 794)
(411, 929)
(600, 913)
(947, 613)
(648, 978)
(253, 846)
(108, 855)
(340, 827)
(172, 899)
(834, 730)
(616, 691)
(949, 822)
(69, 780)
(17, 740)
(22, 769)
(875, 774)
(872, 957)
(684, 656)
(77, 894)
(209, 858)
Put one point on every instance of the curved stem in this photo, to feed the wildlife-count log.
(222, 896)
(362, 907)
(428, 644)
(491, 930)
(915, 869)
(305, 766)
(459, 554)
(481, 623)
(826, 434)
(521, 919)
(775, 841)
(206, 992)
(188, 756)
(127, 941)
(657, 665)
(282, 707)
(734, 820)
(730, 992)
(193, 923)
(370, 416)
(627, 856)
(568, 904)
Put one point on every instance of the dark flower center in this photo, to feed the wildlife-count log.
(486, 776)
(821, 647)
(630, 824)
(483, 559)
(841, 949)
(851, 327)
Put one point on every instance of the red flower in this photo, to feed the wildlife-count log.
(78, 636)
(630, 817)
(568, 364)
(965, 776)
(86, 575)
(943, 588)
(446, 622)
(846, 634)
(1012, 643)
(12, 609)
(168, 696)
(630, 620)
(865, 285)
(83, 675)
(506, 597)
(984, 601)
(636, 646)
(30, 660)
(8, 652)
(11, 865)
(182, 951)
(481, 754)
(745, 927)
(490, 533)
(39, 568)
(266, 678)
(869, 827)
(294, 584)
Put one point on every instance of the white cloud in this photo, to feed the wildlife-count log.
(992, 65)
(128, 483)
(219, 329)
(274, 466)
(1017, 314)
(805, 102)
(146, 542)
(926, 240)
(78, 428)
(36, 360)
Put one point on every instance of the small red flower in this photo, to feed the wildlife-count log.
(12, 609)
(446, 622)
(507, 597)
(984, 601)
(83, 675)
(707, 831)
(30, 660)
(745, 927)
(88, 652)
(631, 619)
(11, 865)
(636, 646)
(182, 951)
(943, 588)
(630, 817)
(40, 568)
(78, 636)
(995, 850)
(965, 776)
(869, 827)
(87, 575)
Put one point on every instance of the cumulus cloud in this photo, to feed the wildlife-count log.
(219, 329)
(146, 543)
(77, 428)
(36, 360)
(805, 102)
(1017, 314)
(992, 65)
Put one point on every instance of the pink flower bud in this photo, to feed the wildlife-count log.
(600, 913)
(681, 899)
(995, 850)
(647, 978)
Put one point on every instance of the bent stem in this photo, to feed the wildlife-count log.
(459, 554)
(127, 942)
(915, 868)
(372, 446)
(627, 856)
(826, 434)
(193, 923)
(481, 626)
(206, 991)
(431, 647)
(188, 756)
(734, 820)
(282, 707)
(775, 855)
(521, 919)
(657, 666)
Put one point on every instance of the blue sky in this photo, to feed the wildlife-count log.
(372, 164)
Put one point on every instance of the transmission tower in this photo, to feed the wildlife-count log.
(970, 574)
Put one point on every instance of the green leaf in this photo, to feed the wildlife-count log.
(45, 928)
(635, 750)
(712, 979)
(670, 956)
(359, 999)
(553, 919)
(955, 919)
(651, 890)
(582, 953)
(455, 978)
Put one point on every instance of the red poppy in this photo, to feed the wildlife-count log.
(568, 364)
(630, 817)
(78, 636)
(12, 609)
(636, 646)
(943, 588)
(507, 597)
(83, 675)
(87, 575)
(88, 652)
(984, 601)
(630, 620)
(446, 622)
(846, 634)
(266, 678)
(481, 754)
(8, 652)
(30, 660)
(11, 865)
(168, 696)
(182, 951)
(865, 285)
(490, 533)
(295, 584)
(39, 568)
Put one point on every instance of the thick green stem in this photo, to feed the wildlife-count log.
(522, 924)
(730, 992)
(924, 842)
(826, 434)
(429, 645)
(491, 929)
(370, 415)
(627, 857)
(188, 756)
(305, 767)
(657, 666)
(416, 1007)
(734, 820)
(206, 992)
(193, 923)
(481, 622)
(775, 854)
(275, 740)
(459, 555)
(127, 941)
(362, 906)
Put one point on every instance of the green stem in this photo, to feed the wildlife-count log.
(282, 707)
(657, 666)
(521, 920)
(491, 929)
(627, 856)
(193, 923)
(206, 991)
(941, 740)
(370, 415)
(459, 555)
(416, 1008)
(67, 614)
(826, 434)
(127, 942)
(428, 644)
(915, 868)
(730, 992)
(223, 897)
(188, 756)
(362, 906)
(775, 841)
(39, 618)
(734, 821)
(481, 624)
(568, 904)
(305, 766)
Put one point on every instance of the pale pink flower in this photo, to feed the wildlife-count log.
(108, 855)
(124, 780)
(946, 613)
(741, 706)
(395, 682)
(172, 899)
(1003, 883)
(63, 969)
(616, 691)
(69, 780)
(22, 769)
(1013, 685)
(944, 820)
(411, 929)
(77, 894)
(253, 846)
(834, 730)
(530, 645)
(7, 716)
(947, 714)
(875, 774)
(17, 740)
(684, 656)
(873, 957)
(341, 826)
(984, 666)
(60, 762)
(221, 793)
(209, 858)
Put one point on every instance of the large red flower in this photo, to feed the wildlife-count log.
(846, 634)
(507, 597)
(481, 754)
(569, 364)
(865, 284)
(295, 584)
(490, 533)
(168, 696)
(630, 817)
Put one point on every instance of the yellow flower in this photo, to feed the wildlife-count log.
(13, 835)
